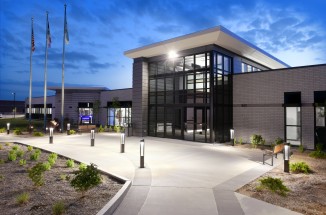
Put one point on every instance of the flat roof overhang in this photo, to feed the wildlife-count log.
(69, 89)
(217, 35)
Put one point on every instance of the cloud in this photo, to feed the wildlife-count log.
(146, 41)
(95, 65)
(280, 31)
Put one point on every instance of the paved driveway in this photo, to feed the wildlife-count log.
(179, 177)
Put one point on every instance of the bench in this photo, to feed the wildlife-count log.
(277, 149)
(85, 128)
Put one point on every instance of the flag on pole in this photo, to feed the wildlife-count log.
(48, 36)
(33, 42)
(66, 31)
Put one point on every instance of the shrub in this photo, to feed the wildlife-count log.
(38, 134)
(256, 140)
(82, 166)
(29, 148)
(46, 165)
(72, 132)
(54, 156)
(63, 177)
(7, 144)
(20, 153)
(12, 156)
(2, 130)
(22, 198)
(318, 154)
(51, 161)
(278, 141)
(240, 141)
(1, 177)
(38, 151)
(86, 179)
(15, 148)
(319, 147)
(36, 174)
(101, 129)
(300, 167)
(17, 131)
(273, 184)
(22, 162)
(58, 208)
(34, 156)
(0, 146)
(116, 128)
(2, 161)
(301, 148)
(70, 163)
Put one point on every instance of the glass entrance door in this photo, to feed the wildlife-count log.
(196, 126)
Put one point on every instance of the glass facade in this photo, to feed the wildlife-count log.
(85, 111)
(181, 96)
(292, 102)
(119, 116)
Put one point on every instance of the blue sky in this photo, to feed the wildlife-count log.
(100, 31)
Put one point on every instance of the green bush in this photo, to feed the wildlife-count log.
(7, 144)
(58, 208)
(117, 128)
(82, 166)
(54, 156)
(36, 174)
(22, 198)
(300, 167)
(22, 162)
(256, 140)
(29, 148)
(2, 161)
(72, 132)
(20, 153)
(15, 148)
(240, 141)
(38, 134)
(47, 165)
(12, 156)
(319, 147)
(273, 184)
(301, 148)
(34, 156)
(70, 163)
(38, 151)
(51, 161)
(278, 141)
(101, 129)
(18, 131)
(318, 154)
(2, 130)
(86, 179)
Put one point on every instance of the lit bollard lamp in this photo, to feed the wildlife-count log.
(51, 135)
(8, 127)
(142, 153)
(287, 154)
(232, 136)
(31, 129)
(122, 142)
(68, 128)
(92, 137)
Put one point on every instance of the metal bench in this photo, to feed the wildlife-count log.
(277, 149)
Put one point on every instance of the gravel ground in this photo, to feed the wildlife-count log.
(308, 191)
(14, 180)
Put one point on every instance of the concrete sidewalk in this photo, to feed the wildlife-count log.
(179, 177)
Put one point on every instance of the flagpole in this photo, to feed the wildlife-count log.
(63, 70)
(45, 67)
(30, 79)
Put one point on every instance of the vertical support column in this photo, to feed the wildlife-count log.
(140, 97)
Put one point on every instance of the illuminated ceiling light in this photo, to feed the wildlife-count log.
(172, 54)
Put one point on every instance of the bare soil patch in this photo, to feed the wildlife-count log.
(14, 181)
(308, 191)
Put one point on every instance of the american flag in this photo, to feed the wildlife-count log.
(33, 42)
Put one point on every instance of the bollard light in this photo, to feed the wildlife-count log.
(31, 128)
(68, 128)
(122, 142)
(92, 137)
(8, 127)
(51, 135)
(232, 136)
(142, 153)
(286, 155)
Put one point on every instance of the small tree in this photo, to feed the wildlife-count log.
(86, 178)
(36, 174)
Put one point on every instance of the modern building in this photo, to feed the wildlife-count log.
(198, 86)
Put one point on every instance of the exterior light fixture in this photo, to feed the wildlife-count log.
(232, 136)
(92, 137)
(68, 128)
(8, 127)
(172, 54)
(142, 153)
(287, 154)
(122, 142)
(51, 135)
(31, 127)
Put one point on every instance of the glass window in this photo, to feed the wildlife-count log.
(226, 64)
(320, 116)
(179, 63)
(219, 62)
(152, 69)
(189, 63)
(200, 61)
(293, 116)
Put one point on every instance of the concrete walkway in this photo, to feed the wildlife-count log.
(179, 177)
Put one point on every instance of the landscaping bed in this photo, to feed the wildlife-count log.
(14, 181)
(307, 193)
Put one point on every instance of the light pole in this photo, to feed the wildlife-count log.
(287, 154)
(14, 110)
(232, 136)
(142, 153)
